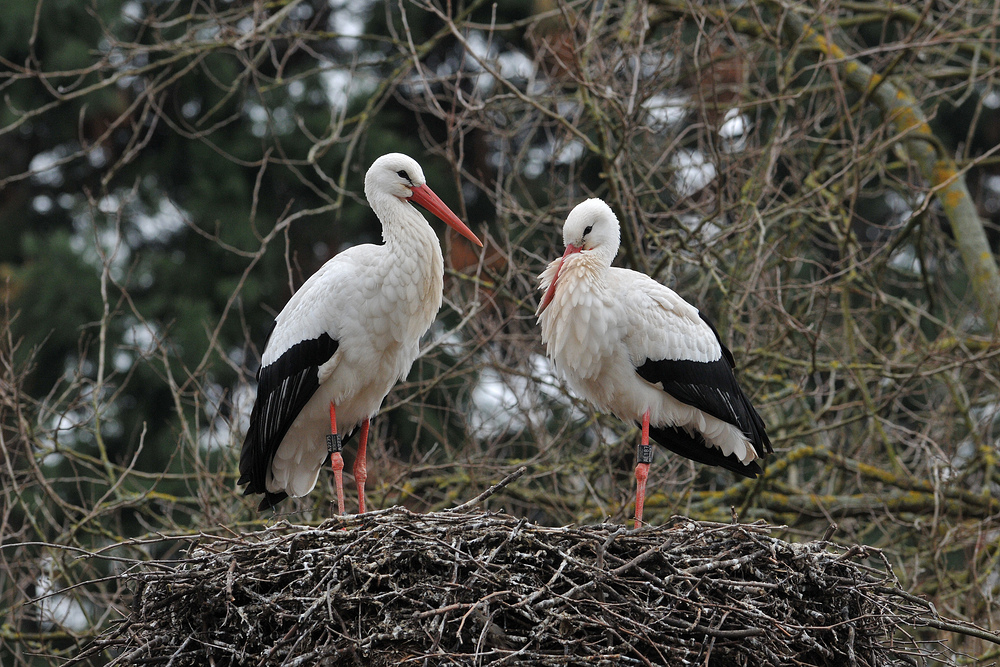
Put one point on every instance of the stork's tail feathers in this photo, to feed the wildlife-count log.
(270, 500)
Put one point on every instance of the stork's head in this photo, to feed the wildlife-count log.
(400, 176)
(591, 227)
(394, 174)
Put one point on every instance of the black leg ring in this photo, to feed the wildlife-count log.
(644, 454)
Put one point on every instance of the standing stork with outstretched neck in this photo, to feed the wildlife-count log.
(636, 349)
(344, 339)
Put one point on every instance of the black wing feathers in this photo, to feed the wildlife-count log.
(693, 447)
(711, 387)
(283, 388)
(708, 386)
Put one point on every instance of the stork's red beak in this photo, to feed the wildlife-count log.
(424, 196)
(551, 291)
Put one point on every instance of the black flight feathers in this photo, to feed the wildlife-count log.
(710, 387)
(283, 388)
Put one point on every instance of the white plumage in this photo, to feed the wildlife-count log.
(633, 347)
(346, 337)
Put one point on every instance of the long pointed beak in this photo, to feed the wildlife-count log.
(424, 196)
(551, 291)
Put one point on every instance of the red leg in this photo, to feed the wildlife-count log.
(336, 459)
(643, 457)
(361, 465)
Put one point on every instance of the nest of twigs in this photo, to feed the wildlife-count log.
(394, 587)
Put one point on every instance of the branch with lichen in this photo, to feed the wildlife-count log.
(905, 116)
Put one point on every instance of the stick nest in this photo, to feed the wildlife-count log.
(393, 587)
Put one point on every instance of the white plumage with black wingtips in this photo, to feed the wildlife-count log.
(633, 347)
(345, 338)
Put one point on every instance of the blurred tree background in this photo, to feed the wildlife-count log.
(822, 180)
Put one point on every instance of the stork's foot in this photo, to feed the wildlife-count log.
(337, 463)
(361, 465)
(641, 475)
(643, 457)
(360, 475)
(334, 445)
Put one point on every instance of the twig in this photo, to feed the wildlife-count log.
(489, 492)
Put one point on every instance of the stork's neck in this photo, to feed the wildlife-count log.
(406, 232)
(588, 269)
(579, 324)
(411, 265)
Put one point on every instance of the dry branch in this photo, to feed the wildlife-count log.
(903, 112)
(394, 587)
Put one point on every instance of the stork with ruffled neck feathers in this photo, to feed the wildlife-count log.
(636, 349)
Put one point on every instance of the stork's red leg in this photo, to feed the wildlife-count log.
(643, 457)
(361, 466)
(333, 445)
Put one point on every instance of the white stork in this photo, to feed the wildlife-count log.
(344, 339)
(635, 348)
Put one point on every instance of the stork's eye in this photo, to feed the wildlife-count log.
(589, 229)
(402, 174)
